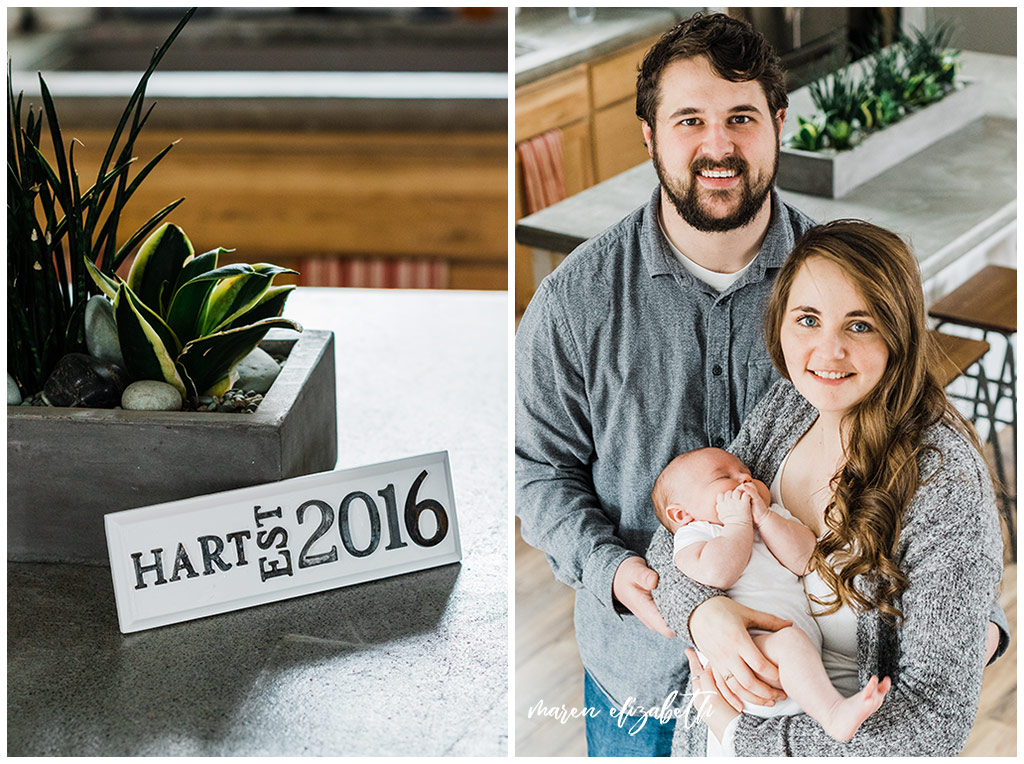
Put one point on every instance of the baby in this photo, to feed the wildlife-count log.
(728, 535)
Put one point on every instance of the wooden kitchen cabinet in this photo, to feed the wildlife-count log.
(554, 101)
(290, 196)
(617, 140)
(593, 104)
(522, 257)
(613, 78)
(561, 101)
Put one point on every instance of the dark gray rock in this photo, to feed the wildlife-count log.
(86, 382)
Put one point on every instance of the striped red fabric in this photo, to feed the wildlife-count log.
(377, 273)
(543, 170)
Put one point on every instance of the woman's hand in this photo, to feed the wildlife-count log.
(741, 672)
(710, 705)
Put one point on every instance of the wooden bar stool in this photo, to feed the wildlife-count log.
(988, 302)
(956, 355)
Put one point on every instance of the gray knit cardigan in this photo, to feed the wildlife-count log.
(950, 548)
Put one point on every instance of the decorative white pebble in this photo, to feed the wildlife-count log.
(151, 395)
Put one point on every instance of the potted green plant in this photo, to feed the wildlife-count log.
(183, 321)
(896, 102)
(180, 318)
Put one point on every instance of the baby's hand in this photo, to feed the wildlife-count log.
(734, 507)
(758, 509)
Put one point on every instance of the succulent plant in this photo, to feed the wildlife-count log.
(885, 70)
(839, 95)
(922, 89)
(928, 54)
(184, 320)
(879, 111)
(840, 133)
(810, 134)
(914, 72)
(53, 223)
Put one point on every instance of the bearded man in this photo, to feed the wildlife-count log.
(646, 343)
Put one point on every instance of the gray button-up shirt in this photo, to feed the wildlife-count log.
(624, 360)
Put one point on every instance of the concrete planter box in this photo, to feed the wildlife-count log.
(67, 467)
(835, 173)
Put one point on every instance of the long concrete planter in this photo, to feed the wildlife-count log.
(835, 173)
(68, 467)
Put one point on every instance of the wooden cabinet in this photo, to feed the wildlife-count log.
(298, 199)
(617, 140)
(554, 101)
(593, 104)
(561, 101)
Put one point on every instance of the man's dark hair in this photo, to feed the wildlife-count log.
(736, 52)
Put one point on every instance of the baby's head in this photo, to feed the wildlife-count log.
(688, 488)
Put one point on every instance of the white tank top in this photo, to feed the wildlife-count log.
(838, 630)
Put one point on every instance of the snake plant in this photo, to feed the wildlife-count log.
(810, 136)
(914, 72)
(183, 320)
(54, 222)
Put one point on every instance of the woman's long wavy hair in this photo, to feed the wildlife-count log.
(872, 490)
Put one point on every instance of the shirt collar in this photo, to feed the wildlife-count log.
(775, 248)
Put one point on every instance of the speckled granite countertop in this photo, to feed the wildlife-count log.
(547, 41)
(415, 664)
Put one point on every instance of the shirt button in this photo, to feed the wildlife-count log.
(716, 370)
(719, 442)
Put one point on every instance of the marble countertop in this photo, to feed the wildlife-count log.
(547, 41)
(944, 200)
(411, 665)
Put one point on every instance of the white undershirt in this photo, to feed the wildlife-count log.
(717, 281)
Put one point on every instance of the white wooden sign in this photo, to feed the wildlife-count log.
(212, 554)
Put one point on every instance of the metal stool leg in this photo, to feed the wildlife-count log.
(1006, 503)
(1008, 379)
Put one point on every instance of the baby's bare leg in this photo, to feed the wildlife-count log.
(803, 677)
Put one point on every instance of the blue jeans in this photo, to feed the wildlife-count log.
(610, 734)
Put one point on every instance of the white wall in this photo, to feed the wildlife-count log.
(989, 30)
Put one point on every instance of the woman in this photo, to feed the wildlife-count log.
(860, 443)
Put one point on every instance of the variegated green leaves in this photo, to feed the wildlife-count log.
(148, 345)
(183, 320)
